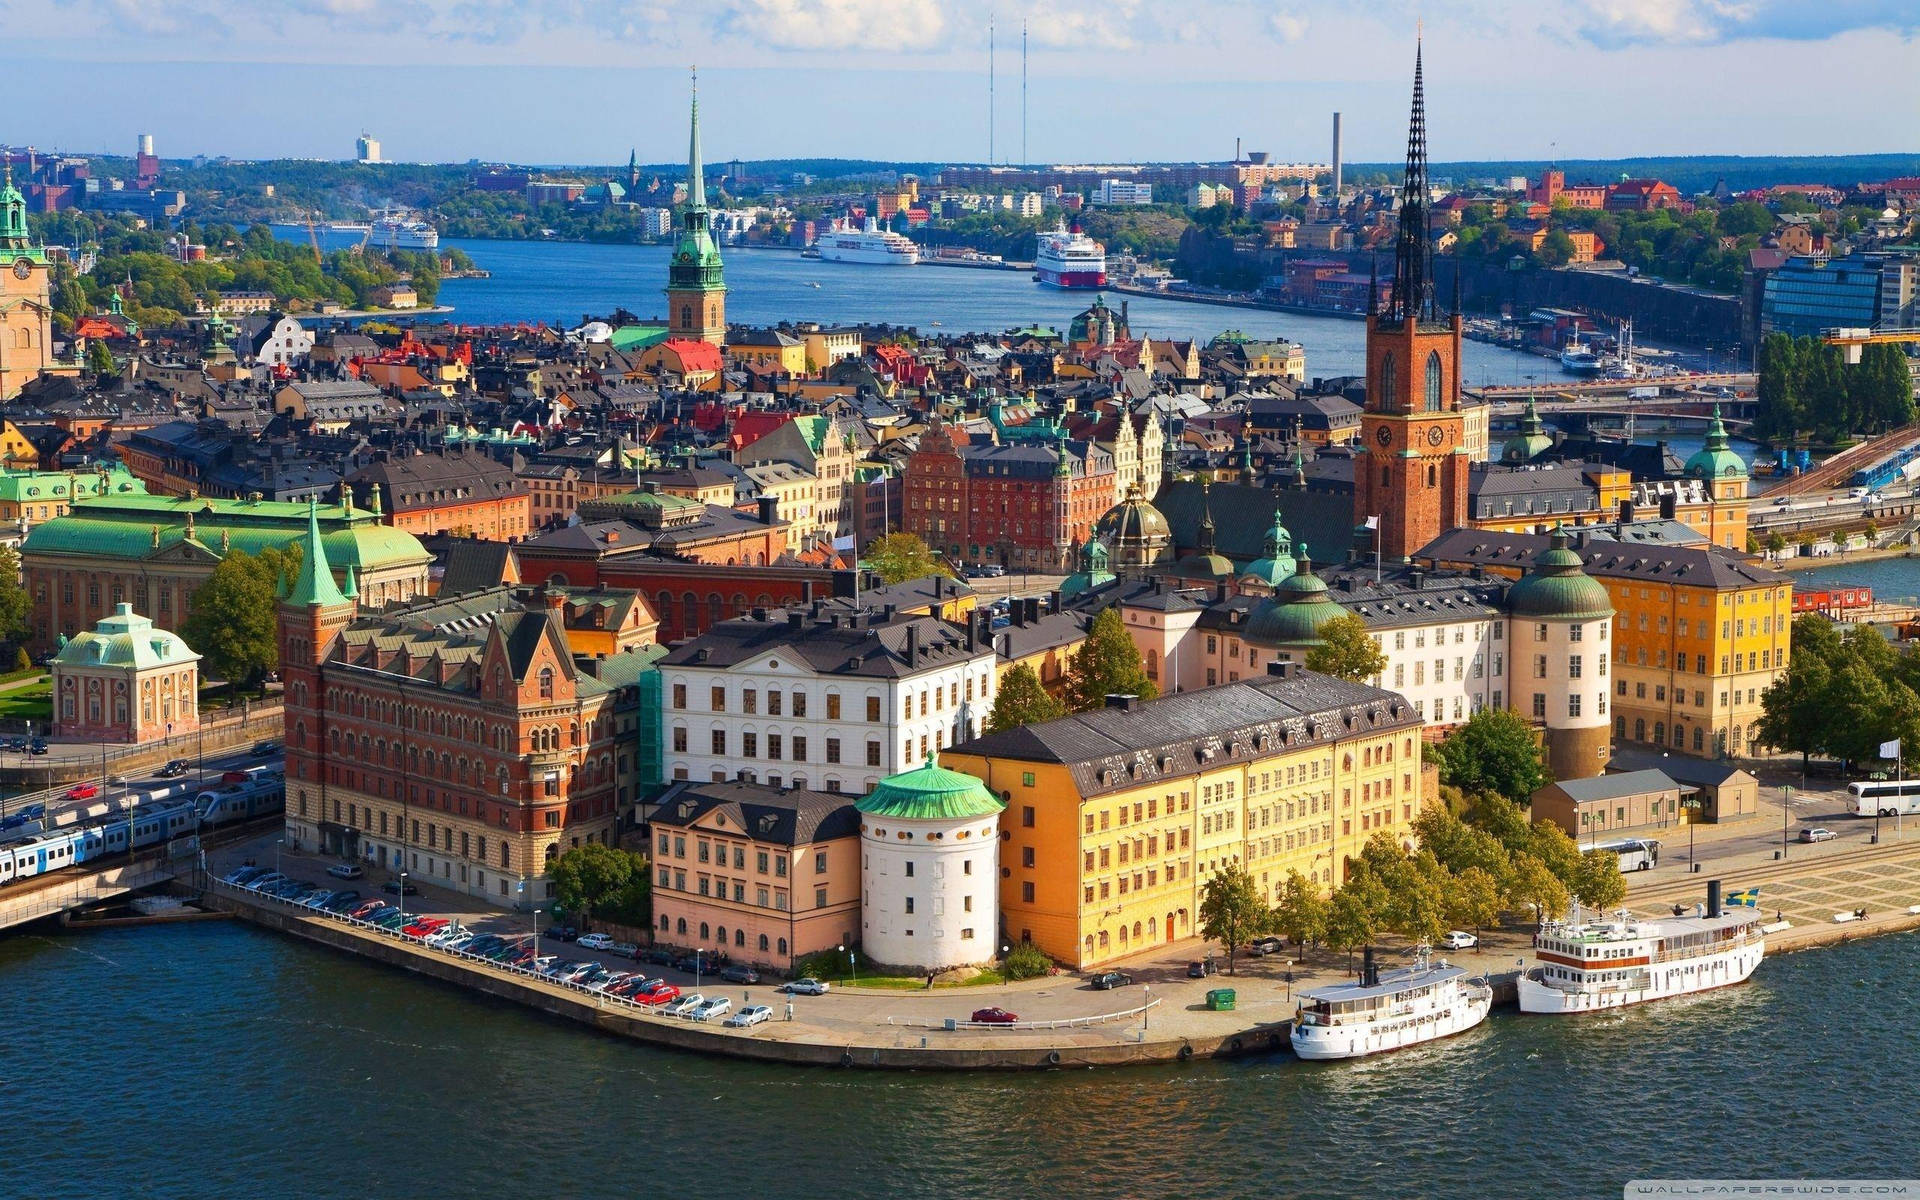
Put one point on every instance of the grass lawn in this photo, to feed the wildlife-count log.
(31, 703)
(918, 983)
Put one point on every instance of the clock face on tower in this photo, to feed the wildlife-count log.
(1383, 435)
(1436, 435)
(22, 268)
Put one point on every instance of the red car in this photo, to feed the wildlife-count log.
(425, 926)
(994, 1016)
(664, 993)
(83, 791)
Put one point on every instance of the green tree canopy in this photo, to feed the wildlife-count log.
(1598, 883)
(1353, 915)
(899, 557)
(1347, 651)
(234, 619)
(1534, 886)
(1474, 899)
(1495, 751)
(1021, 701)
(16, 606)
(1300, 912)
(593, 880)
(1106, 664)
(1232, 911)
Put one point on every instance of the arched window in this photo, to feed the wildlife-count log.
(686, 316)
(1435, 395)
(740, 938)
(704, 934)
(682, 926)
(1383, 393)
(546, 683)
(689, 612)
(665, 923)
(783, 947)
(1433, 475)
(763, 943)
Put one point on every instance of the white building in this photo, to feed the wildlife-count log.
(929, 870)
(1030, 204)
(1122, 191)
(829, 697)
(366, 148)
(656, 222)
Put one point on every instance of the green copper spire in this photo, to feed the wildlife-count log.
(314, 585)
(1716, 459)
(696, 263)
(13, 218)
(347, 589)
(696, 176)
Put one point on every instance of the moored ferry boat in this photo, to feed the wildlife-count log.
(871, 246)
(1069, 259)
(1588, 966)
(1389, 1012)
(1576, 358)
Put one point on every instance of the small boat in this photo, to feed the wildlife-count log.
(1577, 359)
(813, 285)
(1389, 1012)
(1588, 966)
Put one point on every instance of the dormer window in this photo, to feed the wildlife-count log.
(546, 683)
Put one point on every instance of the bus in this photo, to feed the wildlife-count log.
(1885, 798)
(1635, 854)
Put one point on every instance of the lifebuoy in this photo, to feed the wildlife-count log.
(1186, 1052)
(846, 1058)
(1053, 1058)
(1273, 1041)
(1234, 1045)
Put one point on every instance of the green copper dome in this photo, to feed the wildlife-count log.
(1278, 566)
(1293, 615)
(1558, 587)
(1532, 440)
(1716, 459)
(930, 793)
(125, 639)
(1093, 572)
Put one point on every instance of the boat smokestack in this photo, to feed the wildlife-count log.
(1713, 897)
(1369, 971)
(1336, 156)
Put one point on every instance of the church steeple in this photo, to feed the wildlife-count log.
(696, 283)
(1412, 297)
(696, 174)
(314, 585)
(13, 217)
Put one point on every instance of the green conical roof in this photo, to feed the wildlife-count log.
(1278, 566)
(1559, 587)
(1093, 572)
(696, 258)
(1716, 459)
(930, 793)
(314, 584)
(1293, 615)
(1532, 440)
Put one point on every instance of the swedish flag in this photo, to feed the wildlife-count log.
(1749, 897)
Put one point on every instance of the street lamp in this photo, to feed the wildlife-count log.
(696, 968)
(1785, 805)
(536, 933)
(851, 973)
(1692, 805)
(403, 894)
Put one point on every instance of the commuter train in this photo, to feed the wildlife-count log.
(149, 816)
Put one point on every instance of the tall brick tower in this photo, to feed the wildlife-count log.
(312, 613)
(696, 282)
(1411, 474)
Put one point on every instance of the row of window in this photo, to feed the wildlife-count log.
(1757, 660)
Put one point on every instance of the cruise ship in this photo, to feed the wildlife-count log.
(400, 232)
(1070, 259)
(1389, 1012)
(1592, 966)
(872, 246)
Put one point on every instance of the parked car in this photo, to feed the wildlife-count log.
(342, 901)
(174, 768)
(751, 1015)
(624, 950)
(367, 909)
(1261, 947)
(808, 986)
(1817, 835)
(346, 870)
(83, 791)
(563, 933)
(740, 973)
(686, 1004)
(1200, 968)
(716, 1007)
(264, 749)
(245, 875)
(994, 1016)
(1459, 939)
(657, 996)
(395, 887)
(37, 746)
(658, 955)
(17, 744)
(1111, 980)
(594, 941)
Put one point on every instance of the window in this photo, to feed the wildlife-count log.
(833, 744)
(679, 695)
(719, 700)
(873, 708)
(1539, 706)
(1573, 705)
(749, 745)
(1026, 816)
(1026, 892)
(833, 706)
(1383, 398)
(749, 700)
(820, 863)
(1573, 664)
(719, 741)
(873, 752)
(1435, 399)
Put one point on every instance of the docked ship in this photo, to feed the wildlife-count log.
(1070, 259)
(1577, 358)
(871, 246)
(1389, 1012)
(399, 232)
(1597, 965)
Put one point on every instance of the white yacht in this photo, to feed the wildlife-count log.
(1588, 966)
(1389, 1012)
(871, 246)
(1577, 358)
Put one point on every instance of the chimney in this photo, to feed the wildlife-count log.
(1417, 577)
(806, 591)
(1053, 601)
(1336, 156)
(760, 614)
(796, 620)
(1369, 970)
(769, 510)
(1032, 604)
(556, 600)
(913, 644)
(886, 613)
(1669, 506)
(1122, 701)
(1280, 669)
(1626, 512)
(1713, 897)
(1017, 613)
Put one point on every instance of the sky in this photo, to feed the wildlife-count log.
(582, 81)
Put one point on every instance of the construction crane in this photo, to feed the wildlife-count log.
(313, 238)
(1850, 340)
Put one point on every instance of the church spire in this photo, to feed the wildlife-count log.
(314, 585)
(1413, 250)
(696, 175)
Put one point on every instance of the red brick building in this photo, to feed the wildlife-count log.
(472, 495)
(1023, 505)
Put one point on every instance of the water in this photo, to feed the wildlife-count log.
(229, 1062)
(1892, 579)
(559, 282)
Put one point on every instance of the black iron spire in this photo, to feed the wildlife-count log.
(1413, 251)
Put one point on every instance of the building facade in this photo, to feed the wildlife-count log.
(696, 283)
(125, 681)
(929, 870)
(26, 305)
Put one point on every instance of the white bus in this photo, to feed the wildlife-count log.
(1635, 854)
(1885, 798)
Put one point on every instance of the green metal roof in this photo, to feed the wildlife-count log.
(1716, 459)
(125, 639)
(139, 527)
(930, 793)
(1293, 615)
(637, 337)
(35, 487)
(1559, 587)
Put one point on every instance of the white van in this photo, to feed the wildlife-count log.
(346, 871)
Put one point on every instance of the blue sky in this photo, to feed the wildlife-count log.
(1108, 80)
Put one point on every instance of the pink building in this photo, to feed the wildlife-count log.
(766, 875)
(126, 681)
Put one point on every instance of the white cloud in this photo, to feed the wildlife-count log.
(836, 24)
(1614, 23)
(1113, 25)
(1287, 27)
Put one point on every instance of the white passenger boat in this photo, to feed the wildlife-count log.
(1588, 966)
(1389, 1012)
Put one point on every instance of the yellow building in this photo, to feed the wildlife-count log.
(1112, 827)
(26, 308)
(29, 497)
(1698, 632)
(769, 349)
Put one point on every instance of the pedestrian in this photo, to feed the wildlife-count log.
(929, 980)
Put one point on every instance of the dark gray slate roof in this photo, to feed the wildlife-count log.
(1242, 516)
(830, 646)
(1697, 566)
(786, 817)
(1607, 787)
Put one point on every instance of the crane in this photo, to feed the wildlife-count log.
(313, 238)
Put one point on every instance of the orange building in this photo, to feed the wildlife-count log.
(471, 495)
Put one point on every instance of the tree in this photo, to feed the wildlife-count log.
(1776, 542)
(1025, 961)
(1535, 887)
(1598, 883)
(1300, 912)
(1232, 911)
(1352, 914)
(1022, 701)
(1495, 751)
(100, 358)
(1473, 901)
(592, 877)
(1793, 709)
(1557, 248)
(1106, 664)
(1501, 819)
(16, 606)
(234, 621)
(898, 557)
(1347, 651)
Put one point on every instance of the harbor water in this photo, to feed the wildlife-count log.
(216, 1060)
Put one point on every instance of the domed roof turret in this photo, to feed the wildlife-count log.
(1135, 532)
(1278, 566)
(1530, 442)
(1558, 587)
(1204, 564)
(1716, 459)
(1293, 615)
(930, 793)
(1093, 572)
(125, 639)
